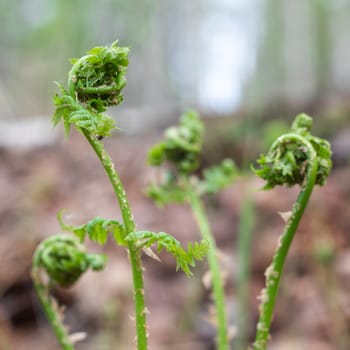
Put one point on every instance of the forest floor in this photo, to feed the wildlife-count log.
(313, 309)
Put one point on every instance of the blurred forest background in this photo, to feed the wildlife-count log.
(248, 67)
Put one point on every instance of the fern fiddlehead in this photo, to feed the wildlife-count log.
(181, 151)
(60, 260)
(295, 158)
(95, 83)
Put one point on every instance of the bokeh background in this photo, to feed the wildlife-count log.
(248, 67)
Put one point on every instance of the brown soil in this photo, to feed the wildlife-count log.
(313, 310)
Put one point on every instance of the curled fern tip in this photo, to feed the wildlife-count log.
(65, 260)
(95, 83)
(289, 157)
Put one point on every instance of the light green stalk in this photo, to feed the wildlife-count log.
(274, 271)
(218, 288)
(50, 308)
(134, 252)
(60, 260)
(181, 148)
(94, 84)
(245, 231)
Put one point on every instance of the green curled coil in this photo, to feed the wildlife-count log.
(295, 158)
(95, 83)
(65, 260)
(180, 151)
(287, 161)
(182, 145)
(98, 78)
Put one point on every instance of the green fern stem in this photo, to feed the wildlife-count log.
(218, 288)
(60, 260)
(99, 89)
(244, 243)
(134, 252)
(274, 271)
(72, 76)
(50, 306)
(50, 310)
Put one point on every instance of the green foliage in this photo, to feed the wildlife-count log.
(95, 83)
(302, 124)
(99, 77)
(181, 149)
(71, 112)
(286, 162)
(294, 158)
(97, 229)
(219, 176)
(184, 259)
(182, 145)
(170, 191)
(65, 260)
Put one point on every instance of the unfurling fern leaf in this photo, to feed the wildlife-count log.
(97, 229)
(185, 259)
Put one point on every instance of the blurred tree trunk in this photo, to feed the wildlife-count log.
(269, 82)
(323, 47)
(275, 43)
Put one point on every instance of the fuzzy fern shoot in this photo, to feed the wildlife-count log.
(295, 158)
(60, 260)
(286, 162)
(95, 83)
(179, 153)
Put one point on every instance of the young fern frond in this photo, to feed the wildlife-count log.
(181, 150)
(97, 230)
(65, 260)
(97, 79)
(287, 161)
(295, 158)
(182, 145)
(60, 260)
(95, 83)
(185, 259)
(173, 189)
